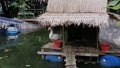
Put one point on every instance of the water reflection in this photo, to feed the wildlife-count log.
(8, 41)
(12, 37)
(13, 40)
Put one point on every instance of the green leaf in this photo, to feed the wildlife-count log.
(26, 0)
(14, 4)
(117, 7)
(24, 6)
(118, 23)
(113, 3)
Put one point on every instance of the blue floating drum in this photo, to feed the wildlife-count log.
(12, 30)
(53, 58)
(110, 60)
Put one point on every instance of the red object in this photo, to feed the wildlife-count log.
(57, 43)
(105, 47)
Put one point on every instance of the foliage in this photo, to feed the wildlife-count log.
(11, 8)
(114, 5)
(22, 4)
(118, 23)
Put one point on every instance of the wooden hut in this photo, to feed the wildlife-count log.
(76, 14)
(80, 20)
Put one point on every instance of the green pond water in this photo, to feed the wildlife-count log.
(22, 52)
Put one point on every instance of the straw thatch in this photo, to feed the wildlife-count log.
(98, 6)
(67, 12)
(55, 19)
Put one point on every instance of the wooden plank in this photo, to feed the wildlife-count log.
(87, 54)
(50, 53)
(69, 66)
(70, 59)
(30, 20)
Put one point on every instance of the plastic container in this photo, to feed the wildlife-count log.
(110, 60)
(105, 47)
(58, 43)
(53, 58)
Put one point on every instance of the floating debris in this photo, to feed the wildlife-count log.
(39, 38)
(20, 43)
(7, 50)
(90, 62)
(3, 57)
(27, 65)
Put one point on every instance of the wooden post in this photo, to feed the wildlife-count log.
(98, 41)
(42, 56)
(63, 37)
(97, 38)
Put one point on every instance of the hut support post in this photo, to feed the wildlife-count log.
(98, 42)
(63, 29)
(97, 38)
(42, 56)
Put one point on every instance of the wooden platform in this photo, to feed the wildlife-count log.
(70, 58)
(82, 51)
(69, 52)
(48, 49)
(79, 51)
(50, 53)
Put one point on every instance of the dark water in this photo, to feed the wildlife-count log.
(21, 52)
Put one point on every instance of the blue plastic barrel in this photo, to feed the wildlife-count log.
(13, 32)
(53, 58)
(110, 60)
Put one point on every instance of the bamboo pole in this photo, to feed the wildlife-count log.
(98, 41)
(63, 36)
(97, 38)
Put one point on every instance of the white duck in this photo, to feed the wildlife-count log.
(53, 36)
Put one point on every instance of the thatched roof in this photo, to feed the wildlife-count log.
(76, 6)
(67, 12)
(55, 19)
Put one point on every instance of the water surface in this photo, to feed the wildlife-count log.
(22, 52)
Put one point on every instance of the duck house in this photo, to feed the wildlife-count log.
(79, 21)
